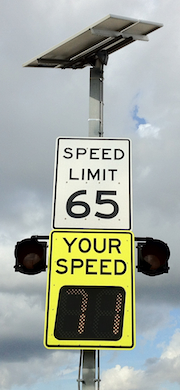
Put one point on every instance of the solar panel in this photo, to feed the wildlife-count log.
(110, 34)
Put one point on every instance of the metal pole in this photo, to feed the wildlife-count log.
(88, 370)
(96, 101)
(88, 358)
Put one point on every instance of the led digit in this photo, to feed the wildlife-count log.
(82, 317)
(117, 317)
(109, 313)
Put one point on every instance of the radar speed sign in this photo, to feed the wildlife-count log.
(90, 291)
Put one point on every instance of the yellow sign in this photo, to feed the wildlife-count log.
(90, 301)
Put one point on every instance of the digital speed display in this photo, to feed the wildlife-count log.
(90, 313)
(90, 301)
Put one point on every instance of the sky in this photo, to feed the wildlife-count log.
(141, 102)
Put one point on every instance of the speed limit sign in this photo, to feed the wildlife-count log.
(92, 183)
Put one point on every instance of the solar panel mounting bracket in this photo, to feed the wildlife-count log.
(115, 34)
(135, 37)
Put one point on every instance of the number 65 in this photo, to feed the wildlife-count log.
(72, 203)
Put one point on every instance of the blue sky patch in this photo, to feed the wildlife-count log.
(136, 118)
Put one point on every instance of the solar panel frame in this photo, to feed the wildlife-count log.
(81, 49)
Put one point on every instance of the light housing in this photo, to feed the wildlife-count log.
(153, 257)
(30, 255)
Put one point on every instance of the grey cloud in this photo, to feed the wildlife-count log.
(21, 350)
(39, 105)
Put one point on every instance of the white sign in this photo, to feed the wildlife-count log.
(92, 185)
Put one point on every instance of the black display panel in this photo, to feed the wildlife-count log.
(90, 313)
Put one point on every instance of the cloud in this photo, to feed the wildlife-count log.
(125, 377)
(67, 370)
(36, 369)
(148, 325)
(37, 106)
(147, 130)
(158, 372)
(172, 351)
